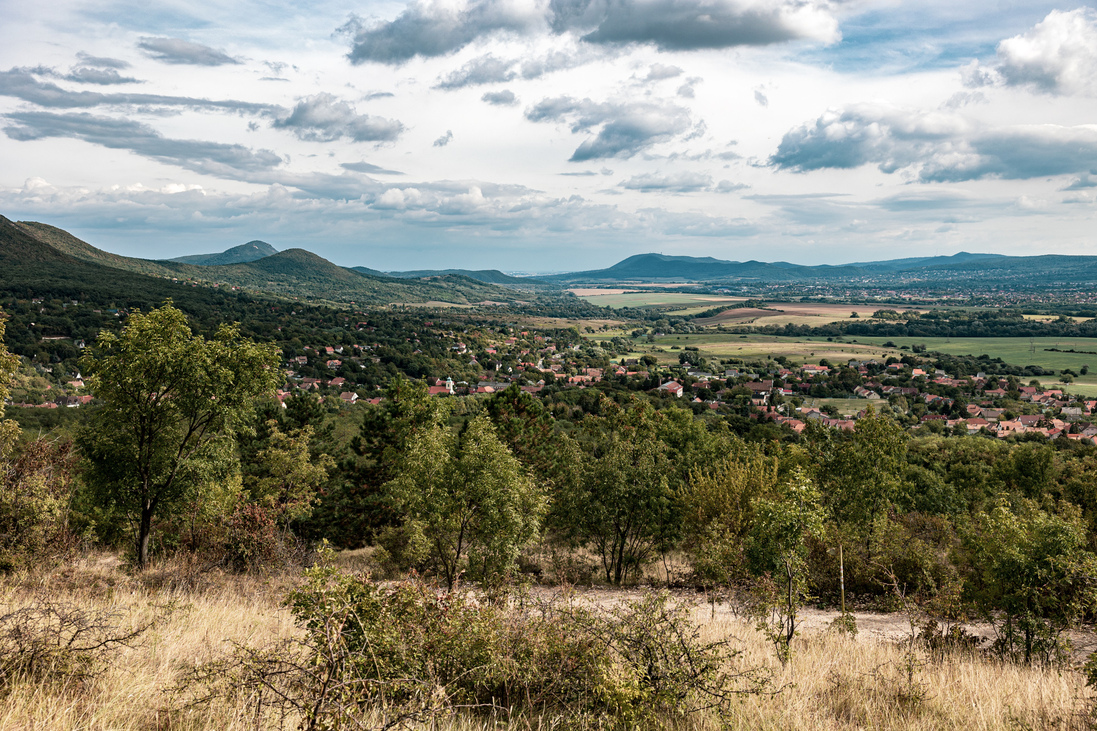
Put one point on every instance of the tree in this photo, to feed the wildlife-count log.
(467, 501)
(9, 430)
(1034, 568)
(170, 403)
(623, 506)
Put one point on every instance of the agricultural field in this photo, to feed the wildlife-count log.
(1017, 351)
(622, 298)
(754, 347)
(789, 313)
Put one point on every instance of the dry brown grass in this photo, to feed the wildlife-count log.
(832, 682)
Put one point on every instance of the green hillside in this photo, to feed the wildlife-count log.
(294, 274)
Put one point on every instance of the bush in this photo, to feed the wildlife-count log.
(50, 641)
(407, 652)
(35, 491)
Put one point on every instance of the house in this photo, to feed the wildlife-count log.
(672, 387)
(348, 397)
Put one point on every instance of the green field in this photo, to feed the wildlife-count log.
(1016, 351)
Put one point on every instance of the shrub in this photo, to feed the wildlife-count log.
(52, 641)
(407, 652)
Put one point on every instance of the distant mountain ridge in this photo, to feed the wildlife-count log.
(1046, 268)
(242, 254)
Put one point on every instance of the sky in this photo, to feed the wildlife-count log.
(554, 135)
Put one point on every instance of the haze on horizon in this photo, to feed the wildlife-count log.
(554, 135)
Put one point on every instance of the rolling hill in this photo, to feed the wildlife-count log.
(1045, 270)
(241, 254)
(293, 274)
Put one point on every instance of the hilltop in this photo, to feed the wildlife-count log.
(251, 251)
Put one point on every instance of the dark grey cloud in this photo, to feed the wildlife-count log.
(1057, 56)
(323, 118)
(365, 167)
(686, 25)
(684, 182)
(178, 51)
(435, 29)
(483, 70)
(624, 128)
(504, 98)
(22, 83)
(444, 139)
(213, 158)
(936, 147)
(101, 62)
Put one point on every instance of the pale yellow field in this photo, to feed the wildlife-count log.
(832, 682)
(792, 313)
(755, 347)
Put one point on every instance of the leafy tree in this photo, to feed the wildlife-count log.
(1034, 568)
(623, 503)
(354, 509)
(171, 400)
(718, 511)
(467, 501)
(784, 518)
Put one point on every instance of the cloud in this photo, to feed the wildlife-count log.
(658, 72)
(323, 118)
(431, 28)
(22, 84)
(214, 158)
(686, 25)
(365, 167)
(936, 146)
(101, 62)
(505, 98)
(1084, 182)
(761, 98)
(1058, 56)
(437, 27)
(483, 70)
(177, 51)
(103, 77)
(684, 182)
(624, 128)
(444, 139)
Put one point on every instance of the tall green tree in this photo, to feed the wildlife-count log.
(1032, 574)
(171, 401)
(623, 505)
(467, 501)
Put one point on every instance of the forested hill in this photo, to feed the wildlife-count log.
(241, 254)
(489, 276)
(30, 268)
(294, 274)
(1045, 270)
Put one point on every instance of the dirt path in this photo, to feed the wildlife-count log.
(878, 626)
